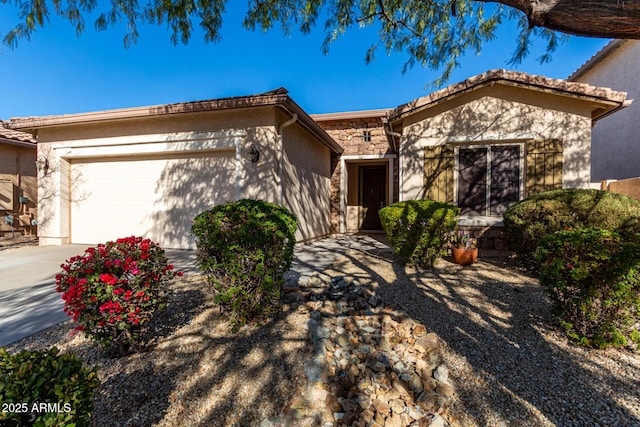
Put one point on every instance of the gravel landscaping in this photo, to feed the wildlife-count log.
(500, 351)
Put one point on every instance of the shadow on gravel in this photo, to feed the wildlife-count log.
(212, 377)
(492, 315)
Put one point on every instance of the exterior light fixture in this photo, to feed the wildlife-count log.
(42, 164)
(254, 154)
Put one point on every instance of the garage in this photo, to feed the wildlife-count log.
(155, 196)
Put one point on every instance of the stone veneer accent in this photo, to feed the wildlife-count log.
(349, 133)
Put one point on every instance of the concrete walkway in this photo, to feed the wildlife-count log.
(29, 302)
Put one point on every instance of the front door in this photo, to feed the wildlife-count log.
(372, 195)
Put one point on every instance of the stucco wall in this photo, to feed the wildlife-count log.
(17, 179)
(307, 182)
(179, 185)
(615, 147)
(496, 114)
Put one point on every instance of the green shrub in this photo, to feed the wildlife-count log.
(593, 279)
(244, 249)
(529, 221)
(114, 290)
(44, 388)
(419, 229)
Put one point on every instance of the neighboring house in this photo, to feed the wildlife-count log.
(482, 144)
(615, 145)
(18, 187)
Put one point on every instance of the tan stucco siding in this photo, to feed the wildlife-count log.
(18, 178)
(496, 115)
(615, 149)
(195, 164)
(307, 182)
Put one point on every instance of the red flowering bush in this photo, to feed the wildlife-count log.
(113, 290)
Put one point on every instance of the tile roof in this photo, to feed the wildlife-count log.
(14, 135)
(278, 98)
(511, 78)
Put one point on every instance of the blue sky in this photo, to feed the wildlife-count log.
(59, 73)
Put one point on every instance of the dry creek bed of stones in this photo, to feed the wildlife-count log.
(373, 367)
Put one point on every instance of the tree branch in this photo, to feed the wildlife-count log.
(590, 18)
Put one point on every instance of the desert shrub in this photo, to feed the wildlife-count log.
(44, 388)
(529, 221)
(419, 229)
(593, 279)
(244, 249)
(113, 290)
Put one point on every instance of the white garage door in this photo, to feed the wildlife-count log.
(155, 197)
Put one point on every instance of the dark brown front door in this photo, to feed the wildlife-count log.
(372, 194)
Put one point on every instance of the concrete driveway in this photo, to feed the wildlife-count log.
(28, 300)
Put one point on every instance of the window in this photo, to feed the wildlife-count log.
(489, 178)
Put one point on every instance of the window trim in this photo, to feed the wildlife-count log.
(475, 144)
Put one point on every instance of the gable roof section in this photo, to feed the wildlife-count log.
(596, 59)
(14, 137)
(278, 98)
(607, 99)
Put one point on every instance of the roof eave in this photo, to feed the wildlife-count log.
(31, 145)
(613, 99)
(31, 123)
(271, 99)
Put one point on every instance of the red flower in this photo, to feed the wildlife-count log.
(118, 291)
(108, 279)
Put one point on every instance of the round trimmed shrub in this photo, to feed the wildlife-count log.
(44, 388)
(244, 249)
(529, 221)
(593, 279)
(114, 290)
(419, 229)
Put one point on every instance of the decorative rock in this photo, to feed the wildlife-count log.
(374, 301)
(342, 340)
(427, 343)
(379, 367)
(415, 383)
(415, 412)
(393, 421)
(378, 370)
(332, 403)
(441, 374)
(384, 344)
(381, 406)
(419, 330)
(445, 390)
(437, 421)
(397, 406)
(401, 387)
